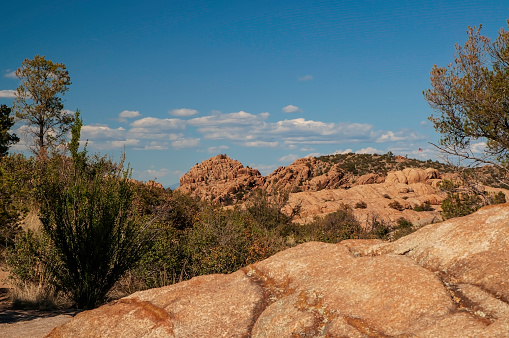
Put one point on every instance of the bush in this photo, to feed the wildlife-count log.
(29, 260)
(361, 205)
(456, 205)
(396, 205)
(403, 228)
(426, 206)
(497, 198)
(87, 212)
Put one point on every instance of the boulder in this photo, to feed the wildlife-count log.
(412, 175)
(448, 279)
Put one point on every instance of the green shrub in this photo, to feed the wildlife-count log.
(456, 205)
(361, 205)
(426, 206)
(396, 205)
(497, 198)
(87, 212)
(29, 261)
(403, 228)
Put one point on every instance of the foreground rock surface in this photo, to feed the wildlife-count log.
(446, 280)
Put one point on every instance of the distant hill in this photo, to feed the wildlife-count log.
(385, 187)
(227, 181)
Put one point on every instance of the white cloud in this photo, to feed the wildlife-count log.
(389, 136)
(232, 119)
(10, 74)
(265, 144)
(403, 135)
(478, 147)
(155, 145)
(129, 114)
(341, 152)
(157, 173)
(423, 123)
(214, 150)
(289, 158)
(183, 112)
(125, 143)
(102, 133)
(291, 109)
(369, 150)
(185, 143)
(306, 78)
(264, 169)
(152, 125)
(7, 93)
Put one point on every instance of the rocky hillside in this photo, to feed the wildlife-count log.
(306, 174)
(220, 179)
(226, 181)
(378, 187)
(447, 279)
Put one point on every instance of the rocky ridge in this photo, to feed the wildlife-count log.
(305, 174)
(447, 279)
(220, 179)
(318, 187)
(224, 180)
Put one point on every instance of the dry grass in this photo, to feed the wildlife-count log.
(126, 285)
(41, 296)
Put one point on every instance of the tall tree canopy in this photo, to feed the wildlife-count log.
(6, 122)
(472, 96)
(38, 102)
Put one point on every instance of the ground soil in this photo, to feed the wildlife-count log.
(27, 322)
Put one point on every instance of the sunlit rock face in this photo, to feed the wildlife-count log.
(448, 279)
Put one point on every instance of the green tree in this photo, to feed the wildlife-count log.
(39, 104)
(6, 123)
(472, 97)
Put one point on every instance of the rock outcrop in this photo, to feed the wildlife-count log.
(445, 280)
(223, 180)
(378, 199)
(412, 175)
(305, 174)
(220, 179)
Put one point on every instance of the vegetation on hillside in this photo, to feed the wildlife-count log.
(361, 164)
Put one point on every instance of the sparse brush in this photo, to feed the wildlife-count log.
(40, 296)
(396, 205)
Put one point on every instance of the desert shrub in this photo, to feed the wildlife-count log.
(404, 227)
(377, 229)
(87, 212)
(457, 205)
(16, 192)
(223, 241)
(426, 206)
(396, 205)
(267, 211)
(497, 198)
(361, 205)
(332, 228)
(29, 260)
(387, 196)
(165, 262)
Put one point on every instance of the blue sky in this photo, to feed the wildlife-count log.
(266, 82)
